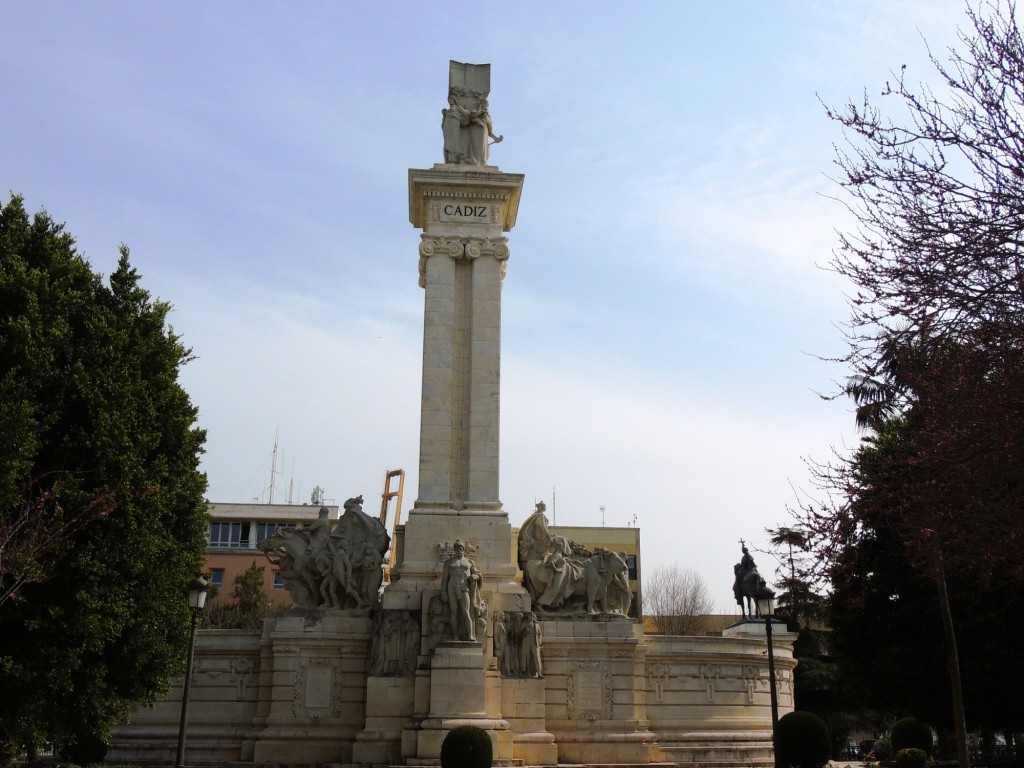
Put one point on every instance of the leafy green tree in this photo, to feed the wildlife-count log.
(249, 606)
(253, 605)
(99, 463)
(936, 336)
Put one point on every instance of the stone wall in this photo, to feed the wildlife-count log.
(296, 693)
(222, 707)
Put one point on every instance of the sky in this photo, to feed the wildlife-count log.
(669, 321)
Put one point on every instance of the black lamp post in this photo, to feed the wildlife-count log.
(766, 607)
(196, 600)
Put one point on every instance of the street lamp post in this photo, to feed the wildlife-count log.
(196, 600)
(766, 607)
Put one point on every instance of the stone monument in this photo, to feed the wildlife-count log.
(527, 637)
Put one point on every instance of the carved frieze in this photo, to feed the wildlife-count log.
(240, 672)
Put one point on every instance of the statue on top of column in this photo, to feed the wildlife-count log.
(466, 123)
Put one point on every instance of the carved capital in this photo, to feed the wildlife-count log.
(468, 248)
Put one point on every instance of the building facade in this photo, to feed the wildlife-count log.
(235, 532)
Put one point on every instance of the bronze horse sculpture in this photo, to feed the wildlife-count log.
(747, 585)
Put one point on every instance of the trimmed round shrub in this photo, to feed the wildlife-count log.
(911, 733)
(802, 740)
(466, 747)
(911, 757)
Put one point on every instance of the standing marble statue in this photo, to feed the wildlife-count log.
(466, 123)
(529, 649)
(501, 643)
(460, 592)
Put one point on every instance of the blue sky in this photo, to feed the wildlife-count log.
(665, 313)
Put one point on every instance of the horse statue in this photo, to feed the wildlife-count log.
(288, 550)
(747, 585)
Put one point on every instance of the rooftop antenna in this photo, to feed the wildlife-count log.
(602, 515)
(317, 496)
(291, 483)
(273, 468)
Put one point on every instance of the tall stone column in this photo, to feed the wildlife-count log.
(463, 207)
(463, 254)
(464, 212)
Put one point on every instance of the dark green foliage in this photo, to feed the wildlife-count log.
(249, 607)
(85, 750)
(911, 758)
(96, 432)
(466, 747)
(802, 741)
(911, 733)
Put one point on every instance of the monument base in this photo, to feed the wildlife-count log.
(463, 692)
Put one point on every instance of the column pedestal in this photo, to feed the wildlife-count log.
(463, 692)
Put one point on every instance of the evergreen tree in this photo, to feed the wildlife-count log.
(100, 464)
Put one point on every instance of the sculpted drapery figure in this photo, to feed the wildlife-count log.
(517, 644)
(466, 123)
(460, 591)
(332, 566)
(564, 577)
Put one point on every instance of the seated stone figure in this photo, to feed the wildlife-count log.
(564, 577)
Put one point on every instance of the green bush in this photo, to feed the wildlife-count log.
(466, 747)
(911, 733)
(911, 757)
(8, 753)
(802, 741)
(85, 749)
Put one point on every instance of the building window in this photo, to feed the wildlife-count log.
(631, 564)
(217, 578)
(266, 530)
(278, 580)
(229, 535)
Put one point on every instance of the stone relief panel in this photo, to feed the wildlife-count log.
(658, 674)
(239, 672)
(395, 644)
(709, 675)
(244, 671)
(317, 689)
(517, 644)
(750, 675)
(589, 690)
